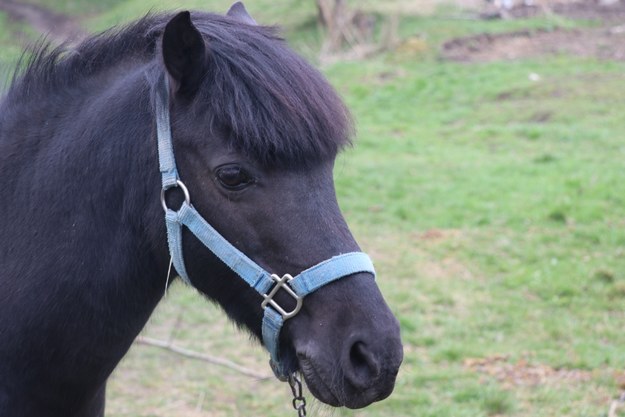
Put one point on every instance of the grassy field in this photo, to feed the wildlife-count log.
(491, 197)
(10, 50)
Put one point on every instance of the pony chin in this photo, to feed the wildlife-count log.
(315, 383)
(331, 383)
(326, 384)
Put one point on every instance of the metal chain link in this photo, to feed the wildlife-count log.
(299, 402)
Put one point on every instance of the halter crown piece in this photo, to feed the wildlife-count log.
(262, 281)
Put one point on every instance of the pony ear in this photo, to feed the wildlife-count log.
(184, 54)
(237, 11)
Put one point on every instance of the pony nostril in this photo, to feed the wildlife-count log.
(363, 366)
(357, 355)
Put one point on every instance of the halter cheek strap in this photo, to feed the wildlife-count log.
(266, 284)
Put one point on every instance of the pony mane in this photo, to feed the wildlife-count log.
(275, 107)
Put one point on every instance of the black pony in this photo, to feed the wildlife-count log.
(83, 252)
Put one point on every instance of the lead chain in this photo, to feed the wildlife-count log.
(299, 402)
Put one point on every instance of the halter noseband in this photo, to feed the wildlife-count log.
(297, 287)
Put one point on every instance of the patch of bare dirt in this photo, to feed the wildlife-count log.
(606, 42)
(447, 268)
(523, 373)
(55, 26)
(607, 12)
(591, 43)
(440, 234)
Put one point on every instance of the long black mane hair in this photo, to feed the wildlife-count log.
(282, 114)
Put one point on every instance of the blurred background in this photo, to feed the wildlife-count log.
(487, 182)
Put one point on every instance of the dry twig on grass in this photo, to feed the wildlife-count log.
(616, 404)
(168, 345)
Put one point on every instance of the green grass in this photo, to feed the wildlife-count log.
(525, 182)
(10, 50)
(493, 207)
(79, 8)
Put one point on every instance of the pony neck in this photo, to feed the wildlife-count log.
(88, 259)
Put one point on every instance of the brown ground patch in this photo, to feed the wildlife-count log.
(609, 13)
(591, 43)
(440, 234)
(55, 26)
(604, 11)
(523, 373)
(605, 42)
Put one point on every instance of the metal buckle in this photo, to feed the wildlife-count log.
(187, 197)
(282, 283)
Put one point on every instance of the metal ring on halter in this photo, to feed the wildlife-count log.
(187, 197)
(284, 284)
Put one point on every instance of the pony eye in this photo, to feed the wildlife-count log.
(233, 177)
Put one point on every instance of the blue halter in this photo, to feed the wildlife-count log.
(262, 281)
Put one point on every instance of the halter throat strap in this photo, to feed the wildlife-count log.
(262, 281)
